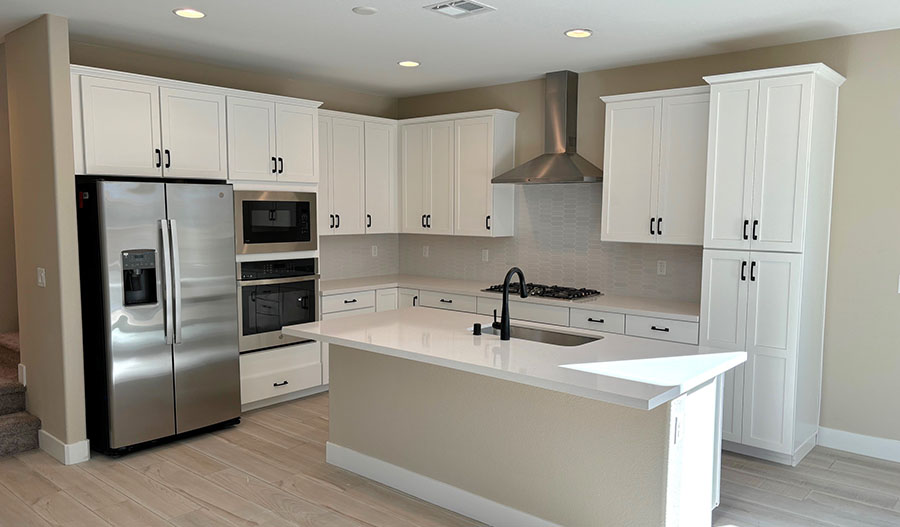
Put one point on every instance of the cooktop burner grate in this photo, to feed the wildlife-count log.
(549, 291)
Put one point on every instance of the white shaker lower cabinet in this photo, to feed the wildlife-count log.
(280, 371)
(654, 166)
(386, 299)
(407, 297)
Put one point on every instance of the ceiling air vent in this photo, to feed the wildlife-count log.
(459, 8)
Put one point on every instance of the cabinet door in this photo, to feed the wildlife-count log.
(412, 177)
(770, 370)
(733, 404)
(381, 178)
(193, 134)
(729, 166)
(251, 139)
(782, 158)
(407, 298)
(324, 205)
(473, 162)
(121, 127)
(682, 169)
(386, 299)
(723, 300)
(439, 181)
(631, 170)
(348, 189)
(295, 143)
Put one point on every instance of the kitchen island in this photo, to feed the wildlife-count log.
(615, 431)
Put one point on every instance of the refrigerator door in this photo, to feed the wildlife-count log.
(139, 362)
(206, 357)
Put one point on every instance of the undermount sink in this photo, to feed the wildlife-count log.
(555, 338)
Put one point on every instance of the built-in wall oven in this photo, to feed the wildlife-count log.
(273, 294)
(272, 222)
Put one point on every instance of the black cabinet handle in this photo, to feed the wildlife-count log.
(423, 221)
(597, 320)
(168, 158)
(487, 222)
(338, 224)
(277, 384)
(274, 165)
(368, 220)
(332, 220)
(353, 301)
(415, 298)
(158, 158)
(753, 271)
(652, 232)
(281, 165)
(755, 225)
(744, 271)
(444, 300)
(746, 224)
(654, 328)
(428, 220)
(659, 226)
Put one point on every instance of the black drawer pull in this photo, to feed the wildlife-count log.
(744, 271)
(753, 271)
(368, 220)
(415, 299)
(746, 224)
(168, 158)
(158, 158)
(659, 226)
(281, 165)
(444, 300)
(597, 320)
(755, 225)
(652, 231)
(274, 165)
(353, 301)
(487, 222)
(654, 328)
(282, 383)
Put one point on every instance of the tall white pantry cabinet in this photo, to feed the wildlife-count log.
(769, 179)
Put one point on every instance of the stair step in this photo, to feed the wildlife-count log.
(12, 397)
(10, 341)
(18, 433)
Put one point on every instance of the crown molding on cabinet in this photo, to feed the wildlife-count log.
(692, 90)
(463, 115)
(816, 68)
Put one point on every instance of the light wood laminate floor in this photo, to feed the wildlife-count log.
(270, 471)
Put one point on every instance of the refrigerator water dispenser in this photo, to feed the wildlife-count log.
(139, 276)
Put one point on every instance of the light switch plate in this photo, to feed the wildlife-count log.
(661, 267)
(41, 277)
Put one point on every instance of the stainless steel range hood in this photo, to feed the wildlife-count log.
(561, 164)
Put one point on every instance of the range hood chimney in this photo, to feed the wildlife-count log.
(561, 163)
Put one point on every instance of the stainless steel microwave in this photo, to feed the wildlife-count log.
(274, 222)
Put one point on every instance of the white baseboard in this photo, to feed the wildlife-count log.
(877, 447)
(431, 490)
(768, 455)
(22, 375)
(65, 453)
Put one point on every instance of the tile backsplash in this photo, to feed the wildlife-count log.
(557, 241)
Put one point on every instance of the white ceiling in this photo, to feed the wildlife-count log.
(523, 39)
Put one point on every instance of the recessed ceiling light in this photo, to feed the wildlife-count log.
(579, 33)
(365, 10)
(409, 63)
(187, 12)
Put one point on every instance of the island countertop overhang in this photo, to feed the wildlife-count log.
(619, 369)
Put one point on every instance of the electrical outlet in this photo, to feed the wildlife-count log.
(661, 267)
(374, 251)
(484, 255)
(425, 251)
(41, 277)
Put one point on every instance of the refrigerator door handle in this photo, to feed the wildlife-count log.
(176, 278)
(167, 280)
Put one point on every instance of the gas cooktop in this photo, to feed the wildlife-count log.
(549, 291)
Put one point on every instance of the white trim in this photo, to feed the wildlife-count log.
(65, 453)
(22, 377)
(817, 68)
(463, 115)
(357, 117)
(283, 398)
(692, 90)
(430, 490)
(877, 447)
(768, 455)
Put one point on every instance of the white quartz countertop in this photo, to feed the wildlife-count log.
(631, 371)
(628, 305)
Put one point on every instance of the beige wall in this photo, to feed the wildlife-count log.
(333, 97)
(42, 161)
(862, 336)
(8, 312)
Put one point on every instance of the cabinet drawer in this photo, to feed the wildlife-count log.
(280, 371)
(526, 311)
(662, 329)
(348, 301)
(447, 301)
(597, 320)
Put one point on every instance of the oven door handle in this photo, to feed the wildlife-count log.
(273, 281)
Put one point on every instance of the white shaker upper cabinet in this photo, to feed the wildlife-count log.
(295, 143)
(631, 170)
(193, 134)
(474, 168)
(682, 169)
(251, 139)
(439, 178)
(413, 140)
(347, 187)
(323, 197)
(381, 178)
(782, 164)
(121, 127)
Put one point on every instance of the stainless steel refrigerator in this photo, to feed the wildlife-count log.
(159, 309)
